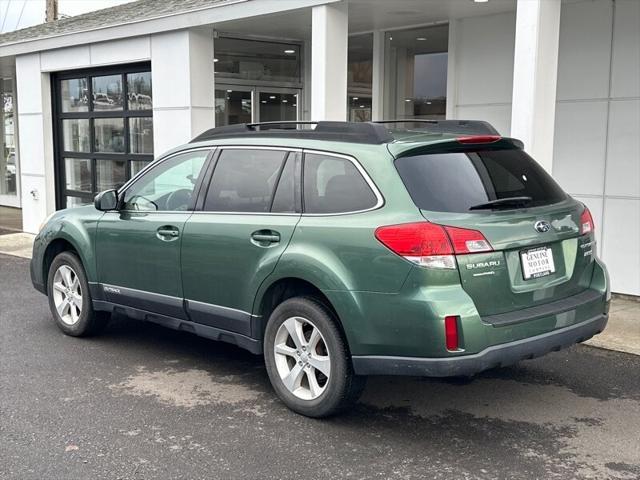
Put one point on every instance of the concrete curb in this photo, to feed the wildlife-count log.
(18, 244)
(623, 330)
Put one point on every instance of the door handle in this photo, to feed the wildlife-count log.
(265, 236)
(167, 233)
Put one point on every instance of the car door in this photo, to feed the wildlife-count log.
(138, 246)
(233, 242)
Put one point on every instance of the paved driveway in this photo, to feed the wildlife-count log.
(144, 402)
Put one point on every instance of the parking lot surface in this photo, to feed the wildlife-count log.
(141, 401)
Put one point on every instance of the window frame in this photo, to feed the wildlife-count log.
(199, 207)
(61, 192)
(200, 203)
(296, 159)
(205, 175)
(363, 173)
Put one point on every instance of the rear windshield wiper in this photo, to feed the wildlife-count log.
(503, 202)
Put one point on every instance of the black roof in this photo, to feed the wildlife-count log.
(374, 133)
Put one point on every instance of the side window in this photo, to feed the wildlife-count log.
(287, 197)
(167, 187)
(244, 180)
(334, 185)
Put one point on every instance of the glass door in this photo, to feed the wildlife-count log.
(416, 73)
(360, 77)
(251, 104)
(277, 104)
(359, 107)
(234, 104)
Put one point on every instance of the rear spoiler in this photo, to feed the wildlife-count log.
(455, 127)
(464, 143)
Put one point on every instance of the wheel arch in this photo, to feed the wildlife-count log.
(57, 246)
(273, 293)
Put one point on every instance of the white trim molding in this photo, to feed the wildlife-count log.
(535, 75)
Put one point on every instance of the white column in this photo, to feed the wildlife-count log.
(306, 92)
(329, 41)
(183, 86)
(534, 77)
(452, 90)
(35, 141)
(377, 88)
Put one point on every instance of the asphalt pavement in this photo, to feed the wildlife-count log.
(141, 401)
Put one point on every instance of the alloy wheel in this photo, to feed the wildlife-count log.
(302, 358)
(67, 294)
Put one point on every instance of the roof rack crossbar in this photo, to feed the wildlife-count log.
(283, 122)
(365, 132)
(361, 132)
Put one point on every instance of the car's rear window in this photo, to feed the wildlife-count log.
(455, 182)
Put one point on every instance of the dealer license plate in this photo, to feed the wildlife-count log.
(537, 262)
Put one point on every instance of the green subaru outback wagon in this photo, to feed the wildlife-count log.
(337, 250)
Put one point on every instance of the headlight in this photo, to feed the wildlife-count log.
(44, 222)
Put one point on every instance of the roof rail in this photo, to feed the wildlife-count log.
(472, 127)
(364, 132)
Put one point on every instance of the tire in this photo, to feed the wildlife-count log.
(68, 292)
(310, 392)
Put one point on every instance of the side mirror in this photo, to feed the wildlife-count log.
(107, 200)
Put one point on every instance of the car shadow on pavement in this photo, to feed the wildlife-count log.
(549, 413)
(589, 380)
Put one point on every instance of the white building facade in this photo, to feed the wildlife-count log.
(90, 100)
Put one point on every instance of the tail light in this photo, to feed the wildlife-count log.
(451, 333)
(586, 222)
(467, 241)
(431, 245)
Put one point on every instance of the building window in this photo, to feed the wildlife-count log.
(8, 158)
(360, 77)
(416, 72)
(256, 61)
(104, 130)
(256, 81)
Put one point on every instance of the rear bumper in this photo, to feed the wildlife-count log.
(491, 357)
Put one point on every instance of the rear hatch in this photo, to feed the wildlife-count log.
(539, 251)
